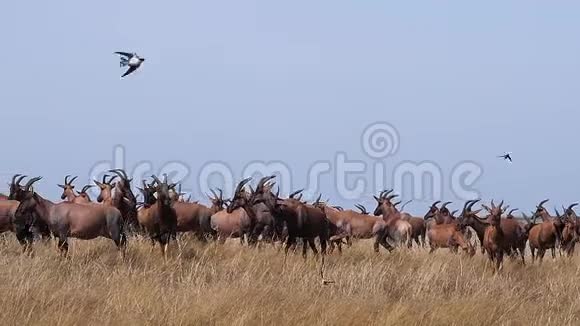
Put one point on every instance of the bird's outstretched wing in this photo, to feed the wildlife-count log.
(130, 70)
(125, 54)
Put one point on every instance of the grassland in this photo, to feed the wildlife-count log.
(234, 285)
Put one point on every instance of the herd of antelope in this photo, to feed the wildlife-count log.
(259, 215)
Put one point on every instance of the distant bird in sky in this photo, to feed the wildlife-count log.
(506, 156)
(130, 59)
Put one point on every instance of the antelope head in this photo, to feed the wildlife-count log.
(68, 188)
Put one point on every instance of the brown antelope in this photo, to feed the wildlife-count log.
(126, 201)
(238, 220)
(160, 219)
(446, 235)
(68, 192)
(20, 227)
(79, 221)
(397, 229)
(264, 224)
(570, 231)
(545, 235)
(513, 235)
(494, 239)
(82, 197)
(351, 224)
(302, 221)
(196, 218)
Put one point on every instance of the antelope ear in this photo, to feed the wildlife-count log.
(62, 186)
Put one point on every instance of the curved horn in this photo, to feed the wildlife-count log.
(473, 202)
(85, 188)
(113, 177)
(405, 204)
(105, 176)
(30, 182)
(72, 180)
(14, 178)
(263, 181)
(318, 199)
(436, 203)
(66, 179)
(156, 179)
(444, 206)
(512, 211)
(572, 206)
(241, 185)
(19, 180)
(121, 173)
(492, 204)
(215, 196)
(295, 193)
(543, 202)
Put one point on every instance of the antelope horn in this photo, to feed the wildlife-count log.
(156, 179)
(66, 179)
(572, 206)
(14, 178)
(263, 181)
(500, 205)
(454, 212)
(512, 211)
(105, 178)
(85, 188)
(241, 185)
(121, 173)
(30, 182)
(492, 204)
(221, 194)
(215, 196)
(295, 193)
(445, 205)
(473, 202)
(392, 196)
(405, 204)
(19, 180)
(72, 180)
(543, 202)
(318, 199)
(397, 203)
(436, 203)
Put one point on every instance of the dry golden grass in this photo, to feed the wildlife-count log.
(233, 285)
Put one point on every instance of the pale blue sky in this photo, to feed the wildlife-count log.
(237, 81)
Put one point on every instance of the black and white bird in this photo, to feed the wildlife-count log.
(507, 156)
(130, 59)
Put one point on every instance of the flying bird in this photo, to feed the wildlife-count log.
(506, 156)
(130, 59)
